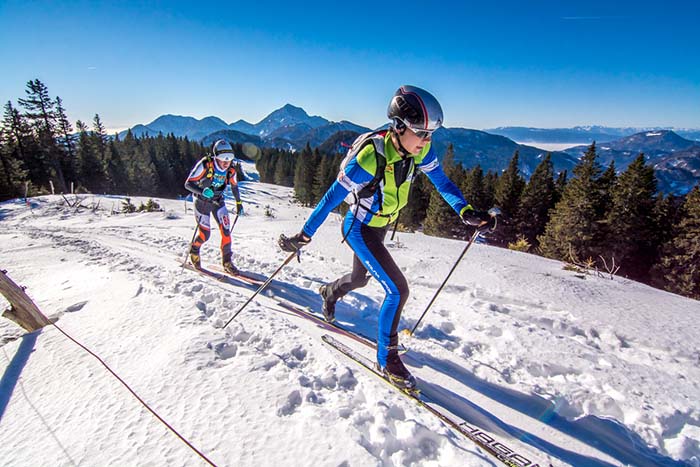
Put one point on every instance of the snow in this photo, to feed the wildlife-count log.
(562, 369)
(552, 146)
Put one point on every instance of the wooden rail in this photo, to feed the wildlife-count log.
(22, 309)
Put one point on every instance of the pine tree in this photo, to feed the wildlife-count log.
(99, 138)
(158, 150)
(474, 190)
(304, 176)
(536, 202)
(440, 219)
(67, 143)
(90, 168)
(679, 267)
(508, 190)
(632, 239)
(118, 178)
(574, 225)
(606, 186)
(490, 182)
(559, 185)
(322, 179)
(10, 175)
(668, 211)
(14, 136)
(414, 213)
(39, 110)
(285, 168)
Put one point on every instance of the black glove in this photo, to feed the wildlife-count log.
(239, 208)
(293, 243)
(475, 218)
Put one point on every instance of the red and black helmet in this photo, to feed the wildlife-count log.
(415, 108)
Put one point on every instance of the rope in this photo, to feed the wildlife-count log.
(182, 438)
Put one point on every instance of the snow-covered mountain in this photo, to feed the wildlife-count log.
(287, 116)
(287, 119)
(301, 134)
(581, 134)
(243, 126)
(494, 152)
(559, 368)
(291, 128)
(674, 158)
(180, 126)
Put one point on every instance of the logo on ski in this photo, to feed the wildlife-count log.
(501, 449)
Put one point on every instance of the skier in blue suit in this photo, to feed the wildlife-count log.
(374, 180)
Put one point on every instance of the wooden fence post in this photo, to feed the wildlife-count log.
(22, 309)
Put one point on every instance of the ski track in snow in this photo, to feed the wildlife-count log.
(383, 429)
(479, 337)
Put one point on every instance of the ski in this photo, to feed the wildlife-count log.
(306, 313)
(221, 276)
(205, 272)
(482, 439)
(243, 276)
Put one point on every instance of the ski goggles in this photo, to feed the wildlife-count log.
(225, 155)
(422, 134)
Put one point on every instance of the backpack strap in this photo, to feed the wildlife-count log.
(208, 164)
(376, 139)
(379, 174)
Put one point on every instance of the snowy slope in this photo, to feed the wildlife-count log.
(565, 370)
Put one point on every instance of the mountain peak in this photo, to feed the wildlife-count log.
(289, 106)
(291, 111)
(657, 137)
(287, 116)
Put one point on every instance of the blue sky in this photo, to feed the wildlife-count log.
(524, 63)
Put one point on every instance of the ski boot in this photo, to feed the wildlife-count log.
(195, 259)
(230, 268)
(397, 373)
(328, 303)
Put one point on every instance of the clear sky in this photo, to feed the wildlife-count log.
(490, 63)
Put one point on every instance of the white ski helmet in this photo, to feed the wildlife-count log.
(223, 151)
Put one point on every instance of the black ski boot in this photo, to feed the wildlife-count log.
(195, 259)
(230, 268)
(328, 303)
(397, 373)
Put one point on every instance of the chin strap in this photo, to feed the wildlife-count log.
(400, 127)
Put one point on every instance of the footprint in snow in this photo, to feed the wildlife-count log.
(290, 405)
(201, 306)
(76, 307)
(224, 350)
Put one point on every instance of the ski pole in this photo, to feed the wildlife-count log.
(262, 287)
(396, 224)
(471, 240)
(235, 219)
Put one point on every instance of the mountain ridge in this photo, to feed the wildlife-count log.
(291, 128)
